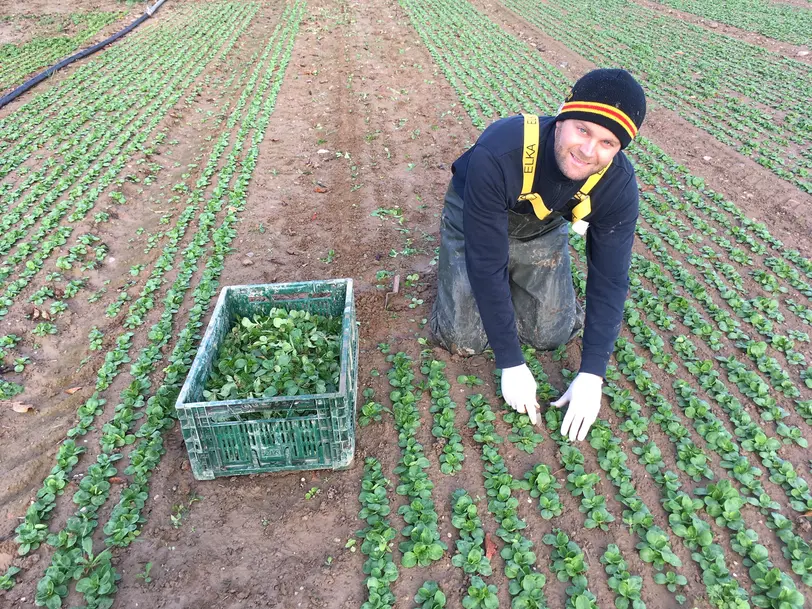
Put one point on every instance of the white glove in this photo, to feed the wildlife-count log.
(519, 390)
(584, 399)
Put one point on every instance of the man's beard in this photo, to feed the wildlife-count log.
(569, 168)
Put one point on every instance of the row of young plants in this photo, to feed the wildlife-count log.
(753, 438)
(780, 21)
(735, 79)
(443, 408)
(626, 586)
(467, 77)
(707, 425)
(526, 585)
(42, 243)
(116, 434)
(582, 483)
(721, 500)
(471, 556)
(654, 546)
(568, 561)
(378, 537)
(51, 242)
(755, 312)
(94, 89)
(423, 545)
(30, 532)
(20, 60)
(569, 564)
(125, 519)
(727, 225)
(456, 71)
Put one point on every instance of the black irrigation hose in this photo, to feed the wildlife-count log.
(6, 99)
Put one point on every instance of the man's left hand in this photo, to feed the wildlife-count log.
(584, 399)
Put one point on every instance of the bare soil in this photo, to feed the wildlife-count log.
(793, 51)
(21, 21)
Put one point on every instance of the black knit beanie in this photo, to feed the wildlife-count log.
(609, 97)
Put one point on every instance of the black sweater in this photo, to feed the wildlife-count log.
(488, 177)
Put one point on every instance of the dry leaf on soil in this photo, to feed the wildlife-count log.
(490, 546)
(18, 406)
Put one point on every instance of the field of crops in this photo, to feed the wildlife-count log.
(263, 141)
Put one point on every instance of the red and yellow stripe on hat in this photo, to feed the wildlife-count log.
(604, 110)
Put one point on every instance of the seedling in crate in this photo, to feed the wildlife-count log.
(249, 364)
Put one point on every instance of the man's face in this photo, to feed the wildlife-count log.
(583, 148)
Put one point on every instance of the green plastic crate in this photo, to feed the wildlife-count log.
(310, 431)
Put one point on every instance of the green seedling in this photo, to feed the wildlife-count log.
(20, 363)
(144, 575)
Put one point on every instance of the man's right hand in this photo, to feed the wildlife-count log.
(519, 390)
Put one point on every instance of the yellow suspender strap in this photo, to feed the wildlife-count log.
(584, 206)
(530, 153)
